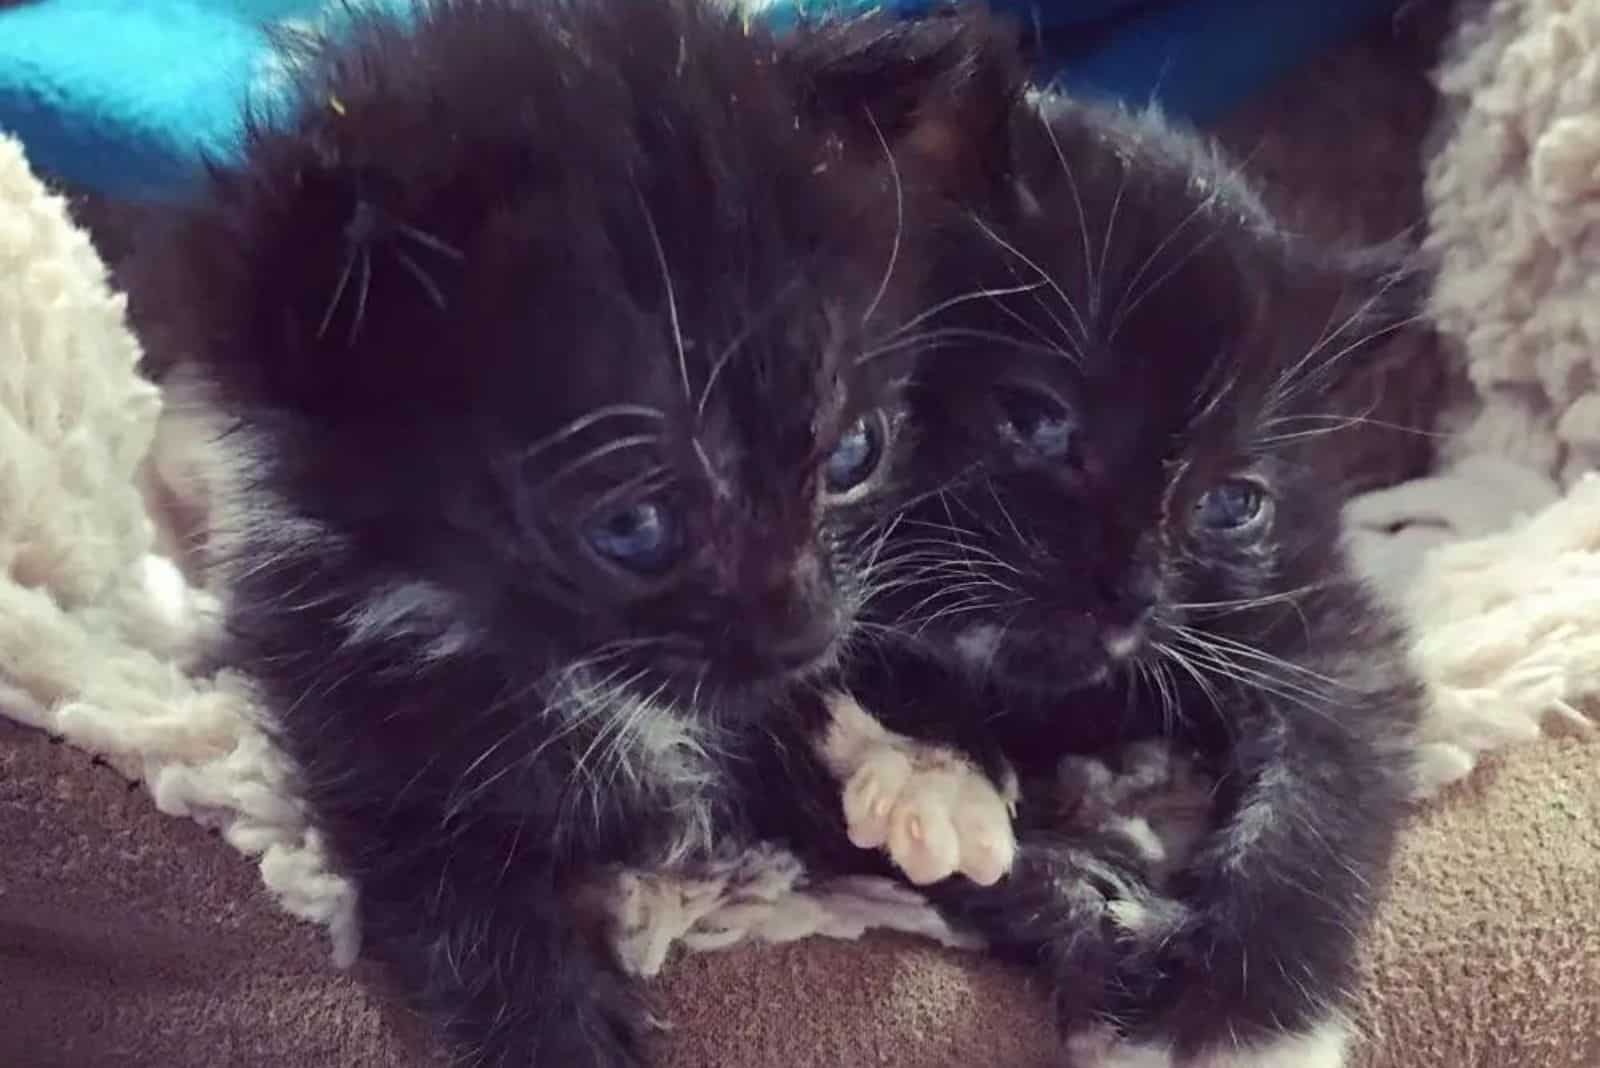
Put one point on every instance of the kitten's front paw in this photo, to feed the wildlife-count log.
(1323, 1046)
(932, 811)
(1206, 986)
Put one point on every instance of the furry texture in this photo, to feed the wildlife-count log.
(1494, 679)
(625, 288)
(460, 674)
(1116, 530)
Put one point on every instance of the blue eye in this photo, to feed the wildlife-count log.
(857, 456)
(1036, 420)
(1235, 506)
(642, 537)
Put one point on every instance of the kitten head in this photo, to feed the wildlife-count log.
(556, 319)
(1111, 441)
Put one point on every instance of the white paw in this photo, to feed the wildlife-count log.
(933, 811)
(1323, 1047)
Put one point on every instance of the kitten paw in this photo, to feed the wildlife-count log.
(1324, 1046)
(932, 811)
(934, 814)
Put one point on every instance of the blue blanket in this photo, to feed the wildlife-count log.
(124, 96)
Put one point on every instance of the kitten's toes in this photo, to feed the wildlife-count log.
(951, 819)
(871, 795)
(923, 841)
(936, 817)
(982, 820)
(933, 811)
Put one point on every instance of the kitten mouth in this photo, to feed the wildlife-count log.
(776, 663)
(1049, 668)
(802, 667)
(748, 674)
(1061, 660)
(809, 651)
(1050, 680)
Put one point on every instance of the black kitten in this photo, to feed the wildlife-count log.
(1116, 532)
(553, 333)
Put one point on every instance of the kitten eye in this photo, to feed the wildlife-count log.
(857, 455)
(642, 537)
(1234, 507)
(1035, 419)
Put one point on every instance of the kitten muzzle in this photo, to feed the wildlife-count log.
(808, 647)
(1058, 660)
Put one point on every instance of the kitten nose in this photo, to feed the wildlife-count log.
(1144, 587)
(807, 643)
(1131, 600)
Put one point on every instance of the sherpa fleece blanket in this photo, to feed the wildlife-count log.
(131, 938)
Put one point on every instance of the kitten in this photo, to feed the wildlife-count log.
(553, 334)
(1116, 532)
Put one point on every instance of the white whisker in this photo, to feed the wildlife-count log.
(672, 298)
(899, 220)
(1083, 222)
(1044, 276)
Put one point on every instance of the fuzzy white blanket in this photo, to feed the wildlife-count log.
(1495, 559)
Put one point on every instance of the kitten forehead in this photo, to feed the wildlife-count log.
(1128, 267)
(524, 224)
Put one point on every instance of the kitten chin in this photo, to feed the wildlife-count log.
(1111, 531)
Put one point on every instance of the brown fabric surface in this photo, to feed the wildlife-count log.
(129, 939)
(1487, 954)
(887, 1001)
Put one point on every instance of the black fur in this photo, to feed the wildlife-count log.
(1126, 330)
(503, 276)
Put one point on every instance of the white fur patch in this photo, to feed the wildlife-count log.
(636, 742)
(1259, 815)
(977, 644)
(1146, 916)
(1123, 643)
(412, 609)
(1323, 1047)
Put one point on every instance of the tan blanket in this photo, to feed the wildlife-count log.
(132, 940)
(129, 938)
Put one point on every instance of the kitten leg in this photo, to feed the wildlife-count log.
(506, 954)
(1072, 909)
(1086, 902)
(1277, 894)
(934, 812)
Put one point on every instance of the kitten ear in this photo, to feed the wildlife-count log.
(1395, 279)
(318, 255)
(938, 90)
(1380, 290)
